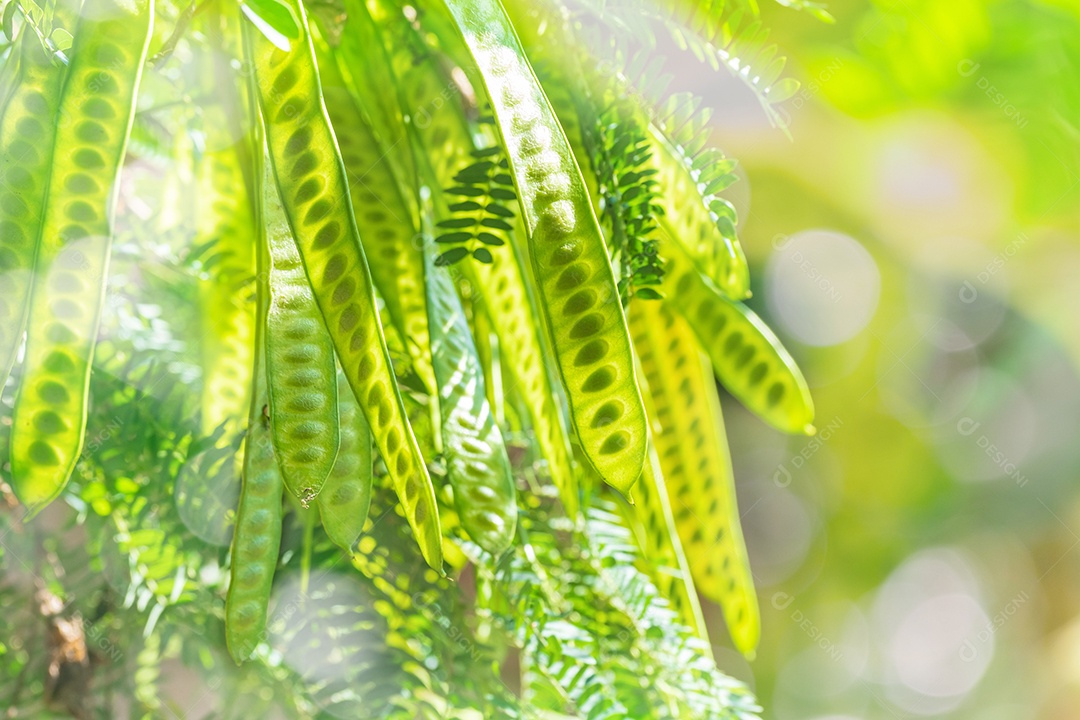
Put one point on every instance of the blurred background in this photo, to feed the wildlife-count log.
(916, 244)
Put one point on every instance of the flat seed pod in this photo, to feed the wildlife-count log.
(696, 466)
(346, 496)
(224, 215)
(707, 237)
(570, 261)
(98, 103)
(314, 192)
(503, 285)
(382, 210)
(27, 133)
(257, 535)
(222, 211)
(476, 460)
(300, 365)
(746, 356)
(661, 549)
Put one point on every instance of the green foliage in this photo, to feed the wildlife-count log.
(465, 557)
(619, 148)
(482, 214)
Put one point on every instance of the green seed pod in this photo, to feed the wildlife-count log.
(446, 137)
(257, 535)
(96, 112)
(746, 356)
(688, 433)
(707, 236)
(314, 192)
(476, 460)
(346, 496)
(301, 371)
(224, 218)
(661, 549)
(570, 261)
(27, 133)
(383, 210)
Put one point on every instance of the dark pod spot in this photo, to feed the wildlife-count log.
(344, 291)
(88, 159)
(776, 394)
(608, 414)
(327, 235)
(73, 260)
(30, 128)
(335, 268)
(42, 453)
(616, 442)
(758, 373)
(60, 334)
(35, 103)
(572, 277)
(92, 132)
(745, 356)
(305, 402)
(304, 165)
(579, 302)
(304, 377)
(733, 343)
(600, 379)
(367, 366)
(286, 79)
(81, 184)
(308, 455)
(299, 141)
(48, 422)
(23, 150)
(98, 108)
(12, 205)
(53, 392)
(566, 254)
(14, 235)
(309, 189)
(308, 430)
(58, 362)
(587, 326)
(81, 212)
(591, 353)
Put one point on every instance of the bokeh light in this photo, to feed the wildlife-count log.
(822, 286)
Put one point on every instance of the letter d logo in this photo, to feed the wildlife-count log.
(967, 67)
(782, 476)
(968, 293)
(967, 426)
